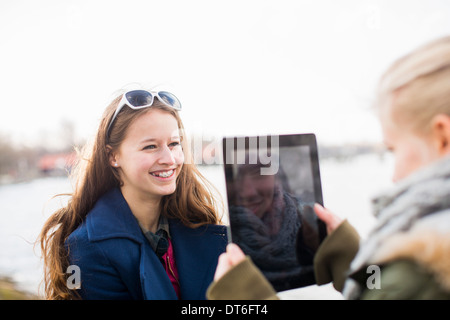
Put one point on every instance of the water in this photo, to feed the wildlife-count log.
(24, 208)
(347, 189)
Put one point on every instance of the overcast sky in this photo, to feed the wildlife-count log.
(238, 66)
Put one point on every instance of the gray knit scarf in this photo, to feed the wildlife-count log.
(424, 192)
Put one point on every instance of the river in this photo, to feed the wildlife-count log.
(347, 187)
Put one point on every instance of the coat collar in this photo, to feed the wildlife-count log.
(111, 217)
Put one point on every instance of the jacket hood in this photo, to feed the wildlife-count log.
(427, 243)
(411, 224)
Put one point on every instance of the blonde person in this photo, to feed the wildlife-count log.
(142, 221)
(410, 243)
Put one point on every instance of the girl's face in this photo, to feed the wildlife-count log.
(411, 150)
(150, 157)
(256, 192)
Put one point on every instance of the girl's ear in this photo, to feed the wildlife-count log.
(112, 157)
(441, 133)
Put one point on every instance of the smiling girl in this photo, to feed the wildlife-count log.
(142, 221)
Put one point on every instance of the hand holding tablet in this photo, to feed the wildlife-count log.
(331, 220)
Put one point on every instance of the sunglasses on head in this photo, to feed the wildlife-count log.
(139, 99)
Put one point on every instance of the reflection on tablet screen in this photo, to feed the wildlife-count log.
(270, 211)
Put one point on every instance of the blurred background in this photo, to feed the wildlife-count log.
(239, 67)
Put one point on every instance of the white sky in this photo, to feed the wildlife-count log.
(238, 66)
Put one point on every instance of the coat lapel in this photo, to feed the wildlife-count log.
(154, 280)
(112, 218)
(196, 255)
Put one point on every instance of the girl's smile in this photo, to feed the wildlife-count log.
(164, 175)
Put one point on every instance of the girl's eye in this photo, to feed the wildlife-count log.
(149, 147)
(174, 144)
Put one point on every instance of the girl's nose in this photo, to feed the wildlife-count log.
(166, 156)
(249, 189)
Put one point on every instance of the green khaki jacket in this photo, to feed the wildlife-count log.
(400, 277)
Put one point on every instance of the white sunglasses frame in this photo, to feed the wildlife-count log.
(124, 102)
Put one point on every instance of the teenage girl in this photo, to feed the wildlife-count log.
(142, 222)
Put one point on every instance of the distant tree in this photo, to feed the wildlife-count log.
(7, 155)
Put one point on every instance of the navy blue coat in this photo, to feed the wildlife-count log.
(117, 262)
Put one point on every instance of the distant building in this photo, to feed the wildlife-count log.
(57, 164)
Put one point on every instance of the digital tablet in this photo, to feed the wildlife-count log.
(272, 184)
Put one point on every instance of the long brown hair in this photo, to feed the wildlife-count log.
(194, 202)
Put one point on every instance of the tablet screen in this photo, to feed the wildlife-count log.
(272, 185)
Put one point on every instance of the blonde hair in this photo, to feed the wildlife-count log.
(194, 202)
(417, 86)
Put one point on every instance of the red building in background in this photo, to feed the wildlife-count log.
(55, 164)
